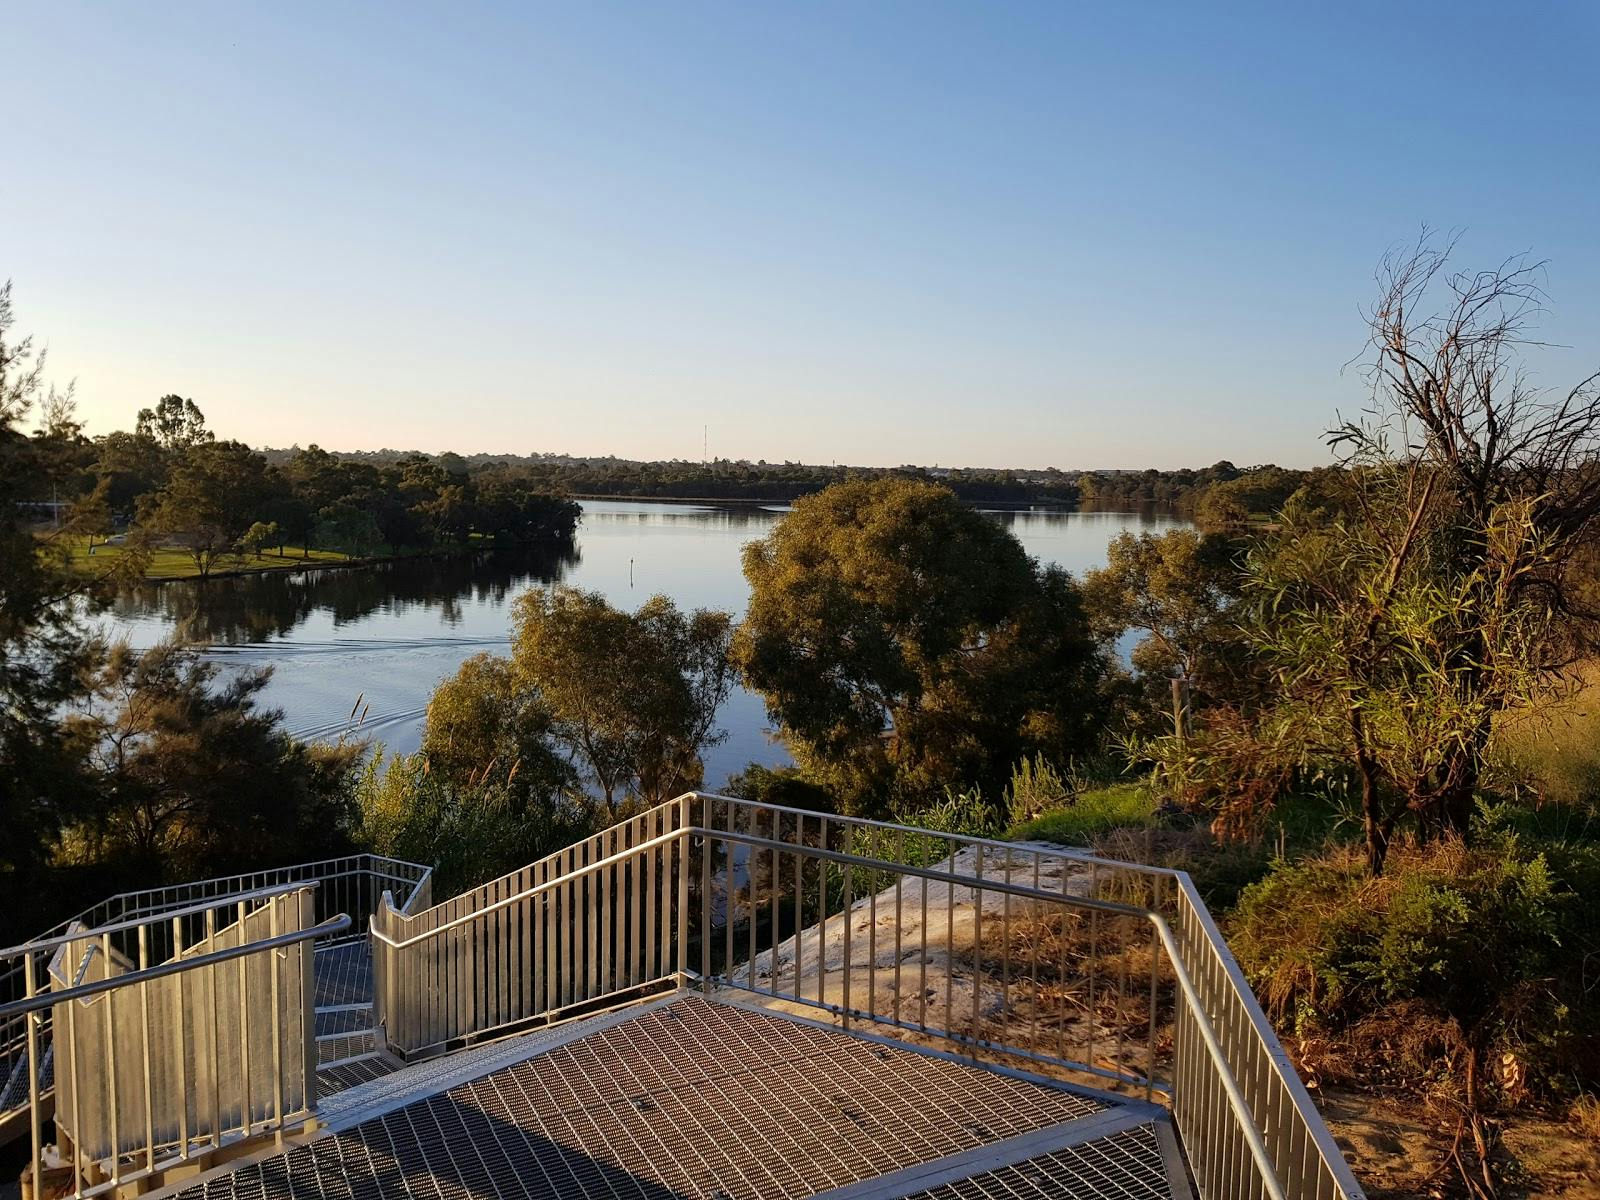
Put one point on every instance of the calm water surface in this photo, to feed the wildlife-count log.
(387, 635)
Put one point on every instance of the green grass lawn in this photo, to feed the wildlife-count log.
(171, 563)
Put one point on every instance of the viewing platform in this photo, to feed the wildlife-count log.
(712, 999)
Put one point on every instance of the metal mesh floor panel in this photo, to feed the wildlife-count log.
(343, 974)
(1124, 1166)
(337, 1020)
(693, 1099)
(334, 1079)
(346, 1045)
(412, 1081)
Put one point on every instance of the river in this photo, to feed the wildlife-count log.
(378, 639)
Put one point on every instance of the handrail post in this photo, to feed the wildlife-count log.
(35, 1118)
(681, 847)
(308, 1009)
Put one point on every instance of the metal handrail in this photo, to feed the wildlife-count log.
(361, 856)
(66, 939)
(143, 1036)
(349, 883)
(1236, 1098)
(229, 885)
(1238, 1104)
(1067, 853)
(540, 889)
(160, 971)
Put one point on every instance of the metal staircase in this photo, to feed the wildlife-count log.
(343, 989)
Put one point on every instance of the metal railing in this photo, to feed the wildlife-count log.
(176, 1035)
(352, 885)
(593, 921)
(1109, 971)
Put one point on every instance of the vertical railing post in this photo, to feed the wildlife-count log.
(705, 895)
(308, 1005)
(35, 1117)
(112, 1098)
(145, 1045)
(72, 1058)
(275, 997)
(681, 850)
(181, 1024)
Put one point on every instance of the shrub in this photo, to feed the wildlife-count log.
(1220, 870)
(1458, 957)
(961, 813)
(1230, 768)
(1036, 787)
(468, 834)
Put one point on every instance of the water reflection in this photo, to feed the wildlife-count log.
(260, 608)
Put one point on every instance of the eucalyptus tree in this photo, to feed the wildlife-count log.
(904, 641)
(46, 649)
(1175, 591)
(1442, 590)
(634, 696)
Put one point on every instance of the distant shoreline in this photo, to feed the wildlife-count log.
(747, 501)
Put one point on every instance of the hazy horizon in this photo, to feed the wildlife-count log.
(1021, 235)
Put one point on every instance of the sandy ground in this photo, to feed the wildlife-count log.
(1394, 1150)
(920, 954)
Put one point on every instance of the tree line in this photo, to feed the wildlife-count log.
(1259, 489)
(171, 481)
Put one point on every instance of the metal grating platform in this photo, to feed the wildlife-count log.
(352, 1073)
(344, 974)
(696, 1098)
(1126, 1166)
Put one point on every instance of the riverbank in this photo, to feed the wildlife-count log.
(173, 565)
(1043, 503)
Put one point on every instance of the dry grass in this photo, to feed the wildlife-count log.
(1585, 1116)
(1554, 750)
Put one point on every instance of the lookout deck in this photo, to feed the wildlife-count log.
(694, 1097)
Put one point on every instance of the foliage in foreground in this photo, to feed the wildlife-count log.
(1463, 967)
(1091, 815)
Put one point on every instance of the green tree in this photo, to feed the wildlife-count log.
(346, 528)
(191, 776)
(174, 424)
(1176, 592)
(1494, 453)
(259, 535)
(470, 832)
(634, 695)
(1221, 509)
(450, 513)
(132, 467)
(213, 495)
(46, 650)
(1358, 616)
(904, 640)
(484, 726)
(91, 514)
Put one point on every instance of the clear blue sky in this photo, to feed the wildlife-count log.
(1024, 234)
